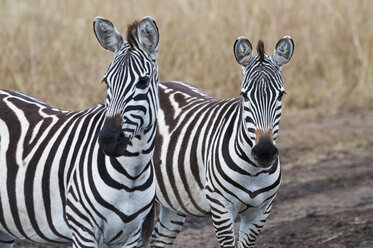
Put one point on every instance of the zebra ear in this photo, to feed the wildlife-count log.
(148, 36)
(107, 35)
(243, 51)
(283, 51)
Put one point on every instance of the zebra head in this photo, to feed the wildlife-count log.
(262, 90)
(132, 83)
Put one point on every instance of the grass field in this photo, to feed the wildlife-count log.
(48, 48)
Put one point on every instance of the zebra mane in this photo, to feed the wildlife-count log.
(260, 50)
(132, 33)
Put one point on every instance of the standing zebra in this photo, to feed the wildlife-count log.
(218, 157)
(56, 183)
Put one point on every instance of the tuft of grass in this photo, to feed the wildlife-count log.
(48, 48)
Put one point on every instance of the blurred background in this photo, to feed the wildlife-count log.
(48, 49)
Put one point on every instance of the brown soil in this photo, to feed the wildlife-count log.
(326, 196)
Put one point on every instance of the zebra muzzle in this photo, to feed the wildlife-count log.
(264, 152)
(111, 138)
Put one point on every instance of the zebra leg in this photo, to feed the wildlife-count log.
(133, 241)
(169, 224)
(223, 222)
(83, 239)
(6, 241)
(251, 225)
(82, 235)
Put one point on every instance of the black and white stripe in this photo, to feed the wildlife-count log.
(56, 183)
(218, 157)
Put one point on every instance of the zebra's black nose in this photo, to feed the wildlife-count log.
(111, 138)
(264, 152)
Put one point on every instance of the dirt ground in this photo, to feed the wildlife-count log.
(326, 195)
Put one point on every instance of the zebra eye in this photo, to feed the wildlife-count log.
(279, 98)
(245, 98)
(143, 82)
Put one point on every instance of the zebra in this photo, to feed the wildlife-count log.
(219, 157)
(85, 177)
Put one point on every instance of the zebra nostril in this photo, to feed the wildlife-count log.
(121, 138)
(274, 152)
(123, 141)
(254, 152)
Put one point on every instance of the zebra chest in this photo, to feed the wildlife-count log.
(254, 202)
(115, 216)
(244, 191)
(114, 203)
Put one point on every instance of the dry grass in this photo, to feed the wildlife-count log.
(48, 48)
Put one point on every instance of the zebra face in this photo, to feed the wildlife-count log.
(132, 83)
(262, 90)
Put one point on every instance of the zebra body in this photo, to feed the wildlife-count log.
(202, 120)
(56, 183)
(218, 157)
